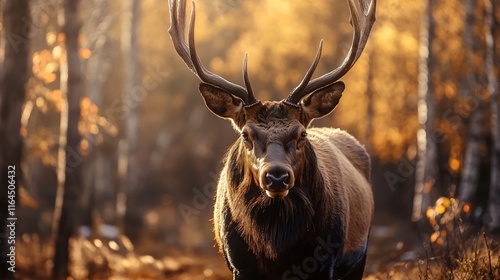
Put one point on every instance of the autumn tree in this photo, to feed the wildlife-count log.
(426, 173)
(72, 182)
(16, 25)
(133, 94)
(492, 60)
(99, 199)
(476, 125)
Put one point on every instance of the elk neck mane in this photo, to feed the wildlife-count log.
(269, 226)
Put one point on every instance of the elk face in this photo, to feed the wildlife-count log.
(274, 133)
(274, 143)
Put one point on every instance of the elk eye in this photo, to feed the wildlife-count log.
(246, 140)
(302, 140)
(244, 135)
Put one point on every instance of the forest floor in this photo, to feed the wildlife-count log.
(395, 252)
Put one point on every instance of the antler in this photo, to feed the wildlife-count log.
(362, 22)
(190, 57)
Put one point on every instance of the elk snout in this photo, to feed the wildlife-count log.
(277, 180)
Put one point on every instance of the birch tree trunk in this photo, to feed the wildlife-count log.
(472, 157)
(493, 88)
(427, 166)
(16, 15)
(72, 184)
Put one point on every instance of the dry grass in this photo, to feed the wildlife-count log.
(478, 258)
(477, 262)
(453, 252)
(115, 259)
(450, 255)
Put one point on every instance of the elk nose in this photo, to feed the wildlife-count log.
(277, 180)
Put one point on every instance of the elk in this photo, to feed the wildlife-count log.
(293, 201)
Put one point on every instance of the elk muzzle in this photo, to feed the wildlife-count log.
(276, 176)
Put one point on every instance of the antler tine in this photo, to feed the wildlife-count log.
(188, 52)
(176, 32)
(362, 22)
(295, 98)
(246, 80)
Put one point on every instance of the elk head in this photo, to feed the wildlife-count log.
(273, 132)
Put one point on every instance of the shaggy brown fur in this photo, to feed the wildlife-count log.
(331, 199)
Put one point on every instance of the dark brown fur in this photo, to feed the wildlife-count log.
(263, 237)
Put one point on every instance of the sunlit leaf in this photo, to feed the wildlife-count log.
(434, 236)
(51, 67)
(55, 97)
(51, 38)
(61, 38)
(440, 241)
(56, 52)
(85, 53)
(450, 90)
(467, 207)
(454, 164)
(98, 243)
(113, 245)
(93, 129)
(84, 147)
(45, 55)
(49, 77)
(146, 259)
(35, 69)
(84, 107)
(440, 209)
(36, 58)
(41, 104)
(430, 213)
(443, 201)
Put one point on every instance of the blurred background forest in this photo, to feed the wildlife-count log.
(117, 157)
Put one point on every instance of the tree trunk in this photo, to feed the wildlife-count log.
(427, 165)
(72, 184)
(133, 96)
(99, 190)
(369, 100)
(491, 33)
(472, 157)
(16, 16)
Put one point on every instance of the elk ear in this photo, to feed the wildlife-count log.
(220, 102)
(322, 101)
